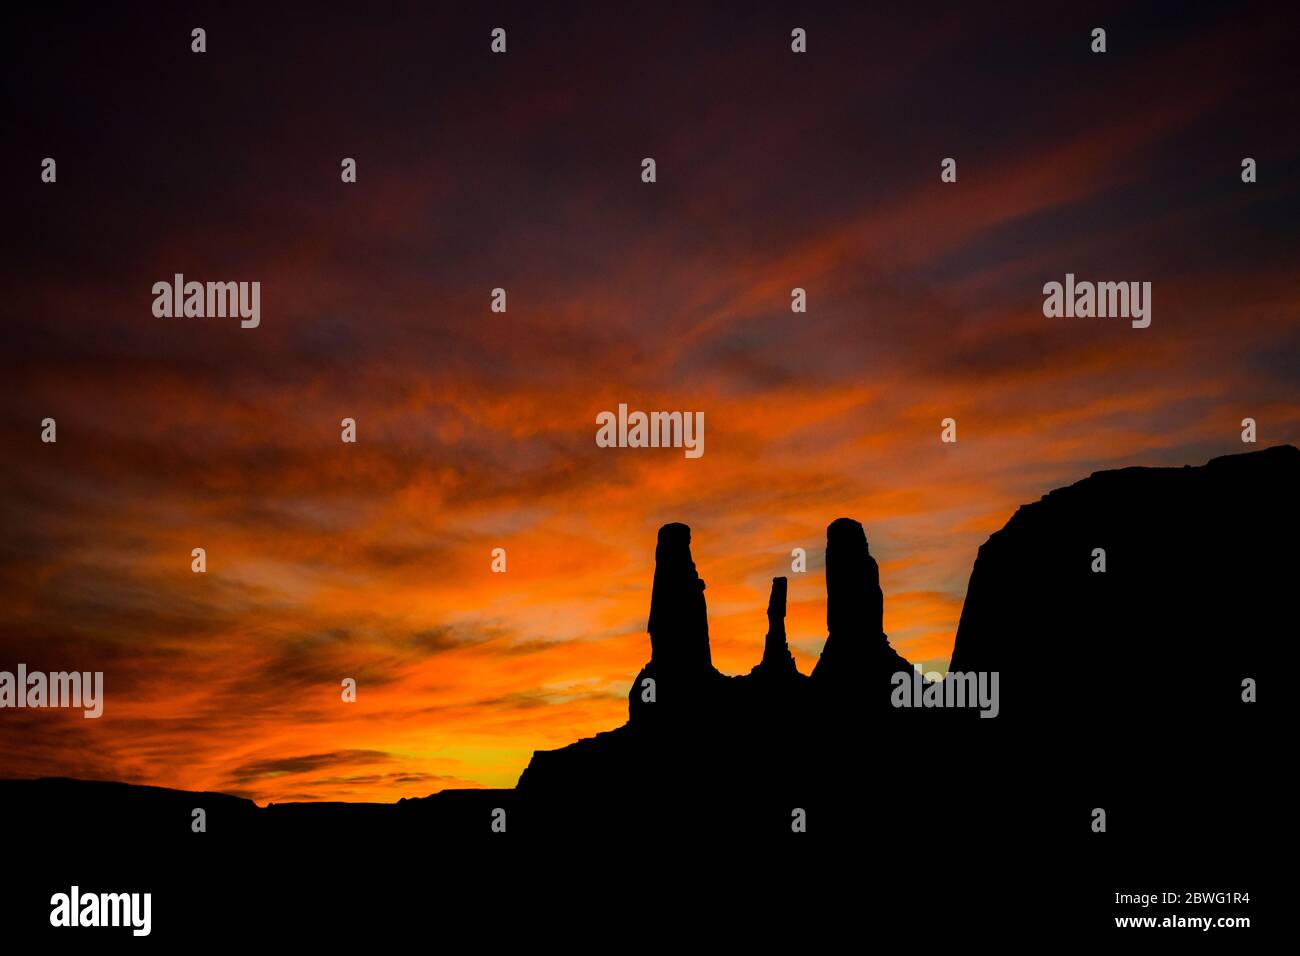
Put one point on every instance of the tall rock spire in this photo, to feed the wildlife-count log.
(777, 659)
(680, 670)
(857, 655)
(679, 621)
(854, 602)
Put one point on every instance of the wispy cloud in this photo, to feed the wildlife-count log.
(476, 429)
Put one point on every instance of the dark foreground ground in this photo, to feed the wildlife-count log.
(864, 871)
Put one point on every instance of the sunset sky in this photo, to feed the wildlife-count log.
(476, 430)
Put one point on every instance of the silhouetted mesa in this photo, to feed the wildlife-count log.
(1198, 566)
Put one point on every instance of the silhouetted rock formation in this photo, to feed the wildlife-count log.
(773, 729)
(777, 663)
(1121, 689)
(857, 664)
(681, 662)
(1196, 563)
(1171, 628)
(679, 620)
